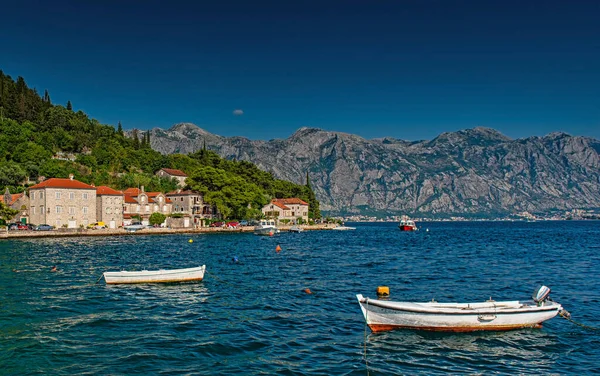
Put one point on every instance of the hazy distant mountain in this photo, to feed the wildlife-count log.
(471, 171)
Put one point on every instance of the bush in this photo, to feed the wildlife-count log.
(157, 218)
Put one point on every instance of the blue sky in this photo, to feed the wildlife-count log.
(404, 69)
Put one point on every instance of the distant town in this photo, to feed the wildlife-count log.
(575, 214)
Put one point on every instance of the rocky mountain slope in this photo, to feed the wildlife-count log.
(474, 171)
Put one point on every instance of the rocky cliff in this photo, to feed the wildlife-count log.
(474, 171)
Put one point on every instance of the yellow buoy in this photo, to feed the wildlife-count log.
(190, 241)
(383, 291)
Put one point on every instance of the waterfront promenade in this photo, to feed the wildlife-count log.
(64, 232)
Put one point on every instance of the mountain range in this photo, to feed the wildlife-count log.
(473, 172)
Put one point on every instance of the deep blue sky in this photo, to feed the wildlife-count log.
(397, 68)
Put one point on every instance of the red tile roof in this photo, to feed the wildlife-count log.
(107, 191)
(279, 204)
(132, 191)
(290, 201)
(130, 200)
(62, 183)
(14, 197)
(174, 172)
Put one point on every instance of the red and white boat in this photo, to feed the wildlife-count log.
(382, 315)
(407, 225)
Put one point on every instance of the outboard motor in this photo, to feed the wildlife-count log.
(541, 294)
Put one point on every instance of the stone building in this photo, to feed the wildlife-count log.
(290, 209)
(18, 201)
(109, 206)
(191, 204)
(62, 203)
(171, 173)
(137, 202)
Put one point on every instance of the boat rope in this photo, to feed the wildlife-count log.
(564, 314)
(98, 280)
(365, 336)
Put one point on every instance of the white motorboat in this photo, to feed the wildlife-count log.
(266, 227)
(382, 315)
(343, 228)
(296, 229)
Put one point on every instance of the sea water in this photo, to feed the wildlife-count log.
(252, 314)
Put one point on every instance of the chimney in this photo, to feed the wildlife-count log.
(70, 176)
(142, 189)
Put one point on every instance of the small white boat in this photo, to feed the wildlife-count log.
(383, 315)
(155, 276)
(266, 227)
(343, 228)
(297, 229)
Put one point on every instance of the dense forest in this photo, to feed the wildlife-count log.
(39, 138)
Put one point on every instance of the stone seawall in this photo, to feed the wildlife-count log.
(63, 232)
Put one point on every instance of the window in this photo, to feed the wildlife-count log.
(33, 195)
(33, 210)
(137, 209)
(71, 195)
(41, 195)
(58, 195)
(58, 209)
(155, 208)
(85, 210)
(42, 209)
(71, 210)
(147, 208)
(165, 208)
(108, 210)
(85, 196)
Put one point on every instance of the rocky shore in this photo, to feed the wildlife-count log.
(64, 232)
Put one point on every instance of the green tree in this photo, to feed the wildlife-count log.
(69, 106)
(120, 129)
(157, 218)
(6, 212)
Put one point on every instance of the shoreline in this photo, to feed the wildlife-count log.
(26, 234)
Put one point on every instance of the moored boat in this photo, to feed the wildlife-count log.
(155, 276)
(383, 315)
(343, 228)
(407, 224)
(266, 227)
(297, 229)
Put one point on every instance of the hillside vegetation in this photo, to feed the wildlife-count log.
(33, 130)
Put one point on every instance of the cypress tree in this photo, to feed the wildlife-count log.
(120, 129)
(47, 97)
(69, 106)
(136, 140)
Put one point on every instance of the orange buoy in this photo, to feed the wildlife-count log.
(278, 248)
(307, 291)
(383, 291)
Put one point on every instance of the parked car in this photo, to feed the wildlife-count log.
(232, 224)
(97, 225)
(44, 227)
(22, 226)
(13, 226)
(135, 226)
(216, 224)
(243, 222)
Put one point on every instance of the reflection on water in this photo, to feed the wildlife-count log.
(254, 317)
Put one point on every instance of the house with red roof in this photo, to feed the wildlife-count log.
(290, 209)
(18, 201)
(172, 173)
(137, 202)
(62, 203)
(191, 204)
(109, 206)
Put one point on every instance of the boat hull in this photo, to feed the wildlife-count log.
(493, 316)
(407, 228)
(266, 231)
(155, 276)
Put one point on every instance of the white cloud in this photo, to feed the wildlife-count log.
(238, 112)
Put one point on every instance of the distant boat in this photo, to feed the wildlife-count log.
(155, 276)
(343, 228)
(266, 227)
(296, 229)
(407, 225)
(383, 315)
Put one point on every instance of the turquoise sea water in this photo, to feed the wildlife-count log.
(254, 318)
